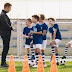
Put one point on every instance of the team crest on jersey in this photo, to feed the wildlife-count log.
(41, 27)
(35, 29)
(53, 28)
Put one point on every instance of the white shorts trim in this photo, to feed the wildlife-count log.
(57, 42)
(27, 46)
(37, 46)
(44, 45)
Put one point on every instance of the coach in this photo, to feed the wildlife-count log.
(5, 32)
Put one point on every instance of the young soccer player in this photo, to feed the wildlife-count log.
(26, 31)
(44, 33)
(66, 49)
(55, 37)
(37, 37)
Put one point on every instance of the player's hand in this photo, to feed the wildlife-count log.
(27, 37)
(31, 37)
(31, 44)
(31, 32)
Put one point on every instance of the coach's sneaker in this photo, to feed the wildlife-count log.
(57, 63)
(4, 65)
(64, 57)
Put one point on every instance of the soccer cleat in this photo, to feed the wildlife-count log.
(57, 63)
(64, 57)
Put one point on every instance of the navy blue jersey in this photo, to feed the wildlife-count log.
(58, 34)
(44, 27)
(26, 32)
(37, 38)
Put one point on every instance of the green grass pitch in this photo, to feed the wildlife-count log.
(61, 68)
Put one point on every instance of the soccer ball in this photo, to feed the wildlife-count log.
(62, 61)
(31, 63)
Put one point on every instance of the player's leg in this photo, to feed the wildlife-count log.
(57, 41)
(28, 51)
(66, 49)
(42, 51)
(52, 48)
(37, 52)
(32, 52)
(38, 46)
(56, 54)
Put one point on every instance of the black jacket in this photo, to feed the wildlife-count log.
(5, 24)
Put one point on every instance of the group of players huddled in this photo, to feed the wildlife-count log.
(35, 33)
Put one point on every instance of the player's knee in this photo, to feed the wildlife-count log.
(42, 50)
(56, 50)
(67, 45)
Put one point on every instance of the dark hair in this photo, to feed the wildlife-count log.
(42, 16)
(29, 20)
(36, 17)
(51, 19)
(7, 5)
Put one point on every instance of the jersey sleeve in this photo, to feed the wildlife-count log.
(56, 26)
(50, 30)
(39, 28)
(45, 27)
(24, 31)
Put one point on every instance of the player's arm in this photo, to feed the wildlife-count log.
(50, 37)
(54, 34)
(31, 32)
(37, 32)
(24, 34)
(45, 30)
(55, 30)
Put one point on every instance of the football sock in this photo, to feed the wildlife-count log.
(53, 50)
(43, 57)
(66, 50)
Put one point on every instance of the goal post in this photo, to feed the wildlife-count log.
(19, 38)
